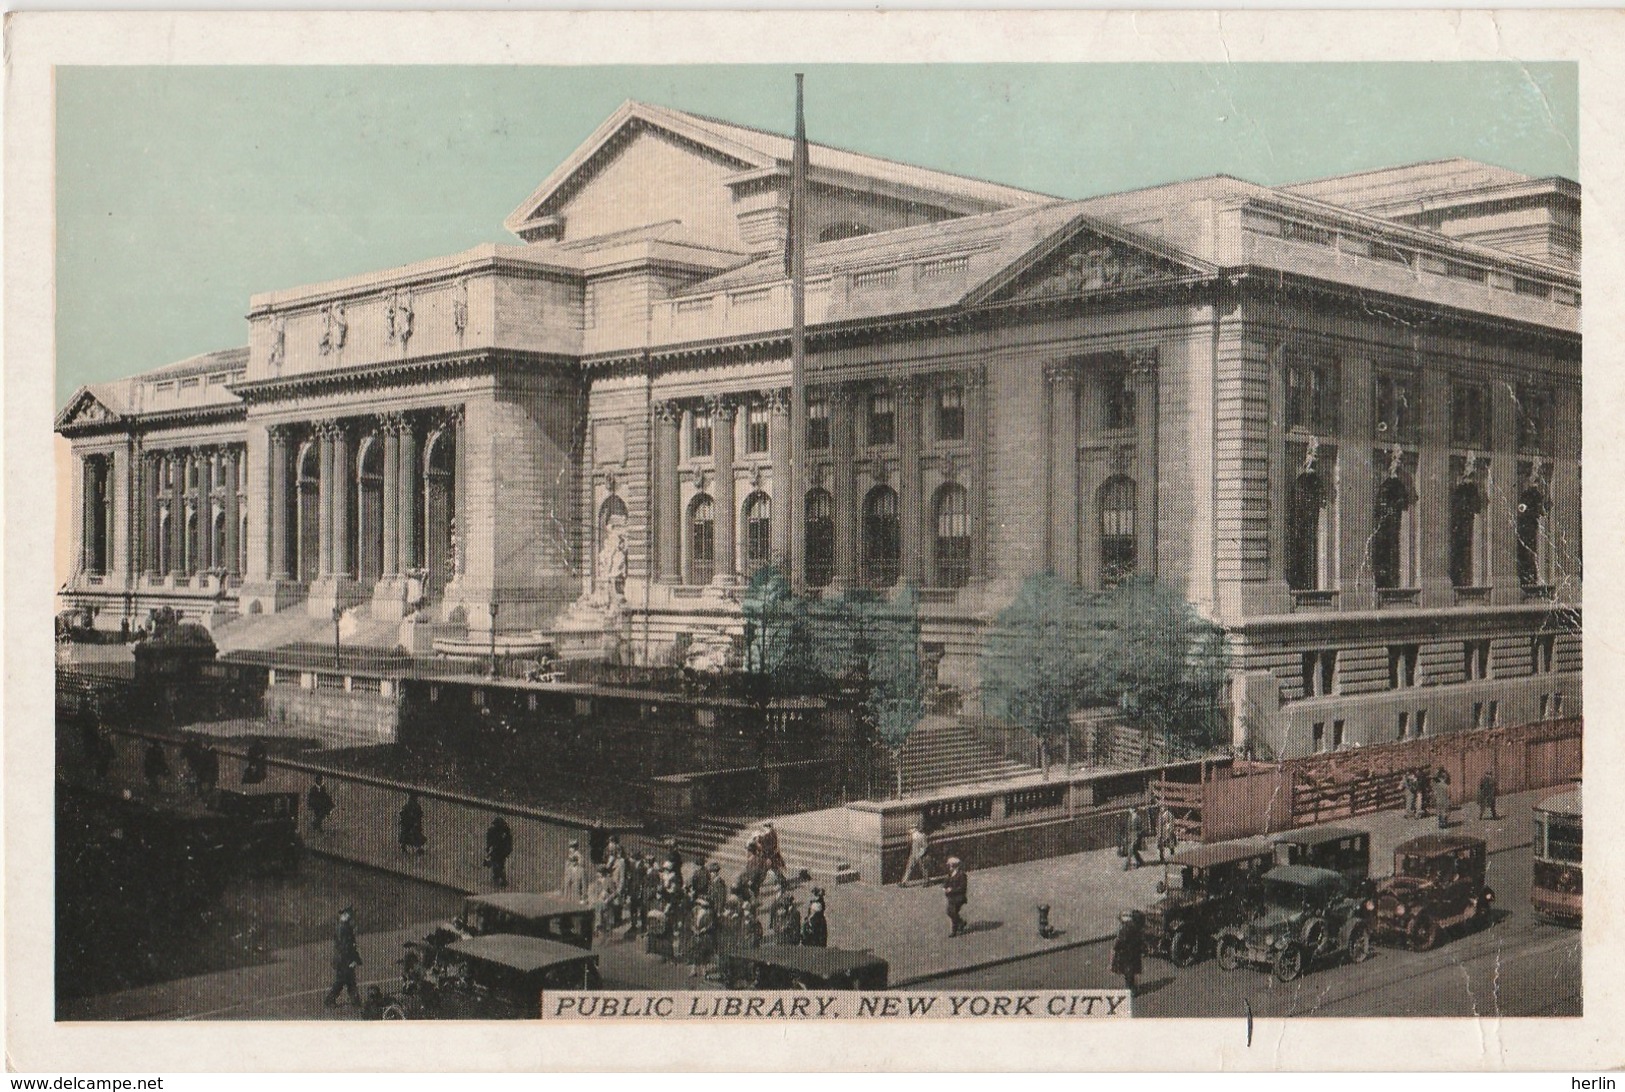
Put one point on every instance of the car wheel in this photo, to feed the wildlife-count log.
(1289, 964)
(1230, 953)
(1481, 910)
(1315, 933)
(1185, 948)
(393, 1012)
(1359, 945)
(1423, 933)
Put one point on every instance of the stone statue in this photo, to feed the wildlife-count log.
(612, 564)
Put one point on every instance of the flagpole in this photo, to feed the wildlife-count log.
(796, 244)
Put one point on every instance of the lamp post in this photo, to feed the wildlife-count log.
(492, 607)
(338, 614)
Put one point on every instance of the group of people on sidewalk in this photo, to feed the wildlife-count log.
(1424, 791)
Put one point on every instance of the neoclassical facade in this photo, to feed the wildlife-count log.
(1342, 418)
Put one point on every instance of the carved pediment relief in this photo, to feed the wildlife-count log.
(86, 410)
(1092, 263)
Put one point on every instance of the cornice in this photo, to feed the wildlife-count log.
(469, 362)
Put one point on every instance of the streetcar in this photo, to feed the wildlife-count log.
(1555, 880)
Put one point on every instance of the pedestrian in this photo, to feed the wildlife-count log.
(956, 887)
(815, 927)
(919, 846)
(674, 859)
(254, 762)
(192, 759)
(1133, 840)
(103, 755)
(702, 937)
(784, 919)
(1128, 949)
(715, 886)
(772, 860)
(1167, 834)
(319, 802)
(603, 896)
(654, 887)
(498, 848)
(1441, 796)
(615, 858)
(346, 958)
(1487, 789)
(575, 874)
(1412, 784)
(208, 770)
(155, 766)
(410, 826)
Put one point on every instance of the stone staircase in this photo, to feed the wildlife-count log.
(815, 841)
(942, 752)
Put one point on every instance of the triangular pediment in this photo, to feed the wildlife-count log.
(1085, 258)
(85, 409)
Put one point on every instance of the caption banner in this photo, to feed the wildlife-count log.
(834, 1005)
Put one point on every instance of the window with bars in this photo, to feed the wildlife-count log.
(702, 540)
(755, 429)
(1534, 419)
(1402, 661)
(1320, 673)
(882, 537)
(952, 544)
(1117, 399)
(818, 424)
(1396, 410)
(951, 413)
(882, 419)
(1312, 392)
(1469, 415)
(819, 528)
(1475, 656)
(1390, 535)
(758, 532)
(1118, 544)
(1541, 649)
(700, 432)
(1530, 527)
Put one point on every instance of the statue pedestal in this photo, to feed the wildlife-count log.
(417, 635)
(592, 629)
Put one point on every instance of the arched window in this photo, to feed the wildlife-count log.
(702, 540)
(951, 548)
(882, 537)
(1390, 534)
(1305, 511)
(820, 531)
(1118, 544)
(758, 532)
(1466, 515)
(1531, 525)
(217, 541)
(613, 508)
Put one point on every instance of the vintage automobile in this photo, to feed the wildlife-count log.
(1438, 884)
(793, 967)
(520, 913)
(265, 828)
(495, 977)
(1305, 916)
(1213, 889)
(1340, 849)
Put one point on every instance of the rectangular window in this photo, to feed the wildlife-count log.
(951, 413)
(1541, 647)
(1403, 728)
(1402, 666)
(699, 443)
(818, 424)
(1534, 419)
(1337, 734)
(1557, 706)
(1475, 657)
(1319, 673)
(755, 430)
(1545, 707)
(1421, 722)
(1494, 716)
(1396, 410)
(1318, 736)
(1118, 400)
(1469, 415)
(1478, 714)
(1312, 393)
(882, 419)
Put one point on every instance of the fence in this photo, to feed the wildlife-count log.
(1249, 798)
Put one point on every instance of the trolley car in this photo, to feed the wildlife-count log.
(1555, 881)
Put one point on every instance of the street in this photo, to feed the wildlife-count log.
(1516, 967)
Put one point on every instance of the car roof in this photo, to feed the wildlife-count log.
(1425, 844)
(1207, 856)
(1564, 803)
(1317, 835)
(1304, 876)
(811, 960)
(521, 953)
(530, 904)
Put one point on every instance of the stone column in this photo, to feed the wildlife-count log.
(668, 498)
(724, 411)
(1063, 435)
(390, 427)
(1504, 487)
(205, 493)
(343, 485)
(1143, 379)
(910, 393)
(324, 501)
(1564, 520)
(1434, 484)
(975, 385)
(406, 498)
(278, 515)
(87, 517)
(784, 500)
(177, 514)
(843, 405)
(232, 456)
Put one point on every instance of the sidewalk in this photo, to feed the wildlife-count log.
(907, 927)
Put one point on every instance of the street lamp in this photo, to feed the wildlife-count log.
(492, 607)
(338, 614)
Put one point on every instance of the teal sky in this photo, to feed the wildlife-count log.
(182, 190)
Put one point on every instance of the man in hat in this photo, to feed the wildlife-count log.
(702, 936)
(784, 919)
(1441, 796)
(815, 929)
(1412, 784)
(1486, 794)
(1128, 948)
(498, 848)
(918, 846)
(575, 874)
(346, 958)
(957, 889)
(319, 803)
(716, 886)
(772, 860)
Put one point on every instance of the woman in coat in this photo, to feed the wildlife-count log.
(575, 875)
(410, 824)
(1128, 949)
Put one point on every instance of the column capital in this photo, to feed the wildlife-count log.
(723, 406)
(842, 396)
(328, 428)
(393, 422)
(669, 412)
(973, 379)
(1061, 373)
(280, 432)
(1142, 363)
(778, 401)
(449, 416)
(911, 388)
